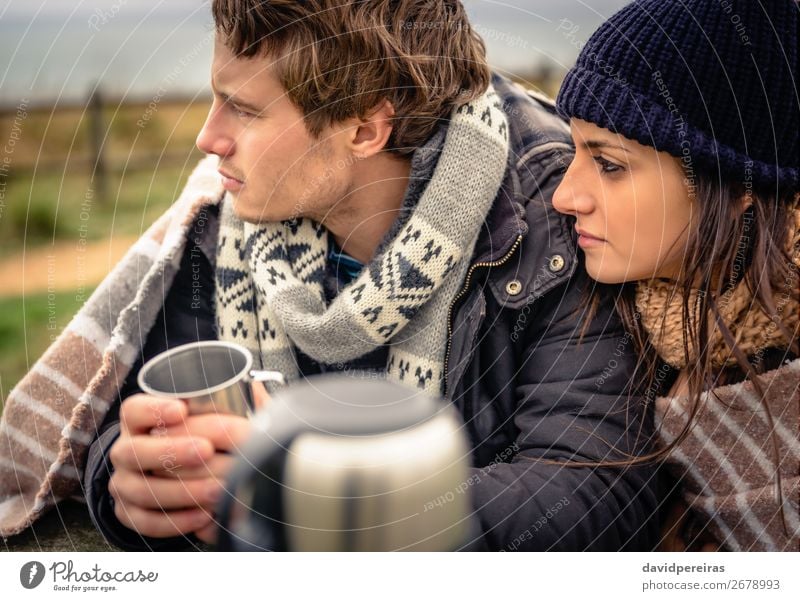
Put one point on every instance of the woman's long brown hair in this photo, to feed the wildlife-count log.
(740, 236)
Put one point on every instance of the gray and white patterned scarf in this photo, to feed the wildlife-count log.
(269, 280)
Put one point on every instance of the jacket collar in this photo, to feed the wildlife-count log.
(505, 222)
(522, 208)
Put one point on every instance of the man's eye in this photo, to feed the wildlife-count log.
(607, 166)
(243, 114)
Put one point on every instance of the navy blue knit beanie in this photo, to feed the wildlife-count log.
(714, 83)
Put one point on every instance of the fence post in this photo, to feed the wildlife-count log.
(99, 174)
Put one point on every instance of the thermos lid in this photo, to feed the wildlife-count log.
(349, 405)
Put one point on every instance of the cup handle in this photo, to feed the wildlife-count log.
(258, 375)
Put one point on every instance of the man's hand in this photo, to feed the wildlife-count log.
(148, 504)
(227, 433)
(170, 468)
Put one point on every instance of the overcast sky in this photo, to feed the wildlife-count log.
(29, 8)
(61, 48)
(545, 8)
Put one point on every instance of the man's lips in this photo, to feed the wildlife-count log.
(587, 240)
(229, 182)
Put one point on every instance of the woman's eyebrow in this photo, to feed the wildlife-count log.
(600, 144)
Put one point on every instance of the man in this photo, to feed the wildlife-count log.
(384, 211)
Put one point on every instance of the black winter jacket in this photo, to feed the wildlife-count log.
(533, 393)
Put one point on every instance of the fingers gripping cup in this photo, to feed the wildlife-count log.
(211, 376)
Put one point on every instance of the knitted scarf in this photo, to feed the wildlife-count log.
(270, 296)
(660, 304)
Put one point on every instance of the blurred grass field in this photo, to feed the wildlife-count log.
(49, 199)
(51, 175)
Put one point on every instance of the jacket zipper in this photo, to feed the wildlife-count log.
(462, 292)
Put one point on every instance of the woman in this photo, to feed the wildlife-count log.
(684, 188)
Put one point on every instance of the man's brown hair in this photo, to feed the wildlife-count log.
(342, 58)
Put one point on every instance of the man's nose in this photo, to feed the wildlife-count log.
(213, 138)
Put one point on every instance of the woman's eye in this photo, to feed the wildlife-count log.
(607, 166)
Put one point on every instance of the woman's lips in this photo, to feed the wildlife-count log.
(586, 240)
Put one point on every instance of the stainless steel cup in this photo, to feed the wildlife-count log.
(211, 376)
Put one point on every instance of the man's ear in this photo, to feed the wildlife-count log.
(370, 135)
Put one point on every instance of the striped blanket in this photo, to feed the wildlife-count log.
(727, 463)
(51, 417)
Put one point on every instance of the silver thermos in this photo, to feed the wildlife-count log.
(340, 463)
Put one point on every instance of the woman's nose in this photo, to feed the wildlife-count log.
(572, 196)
